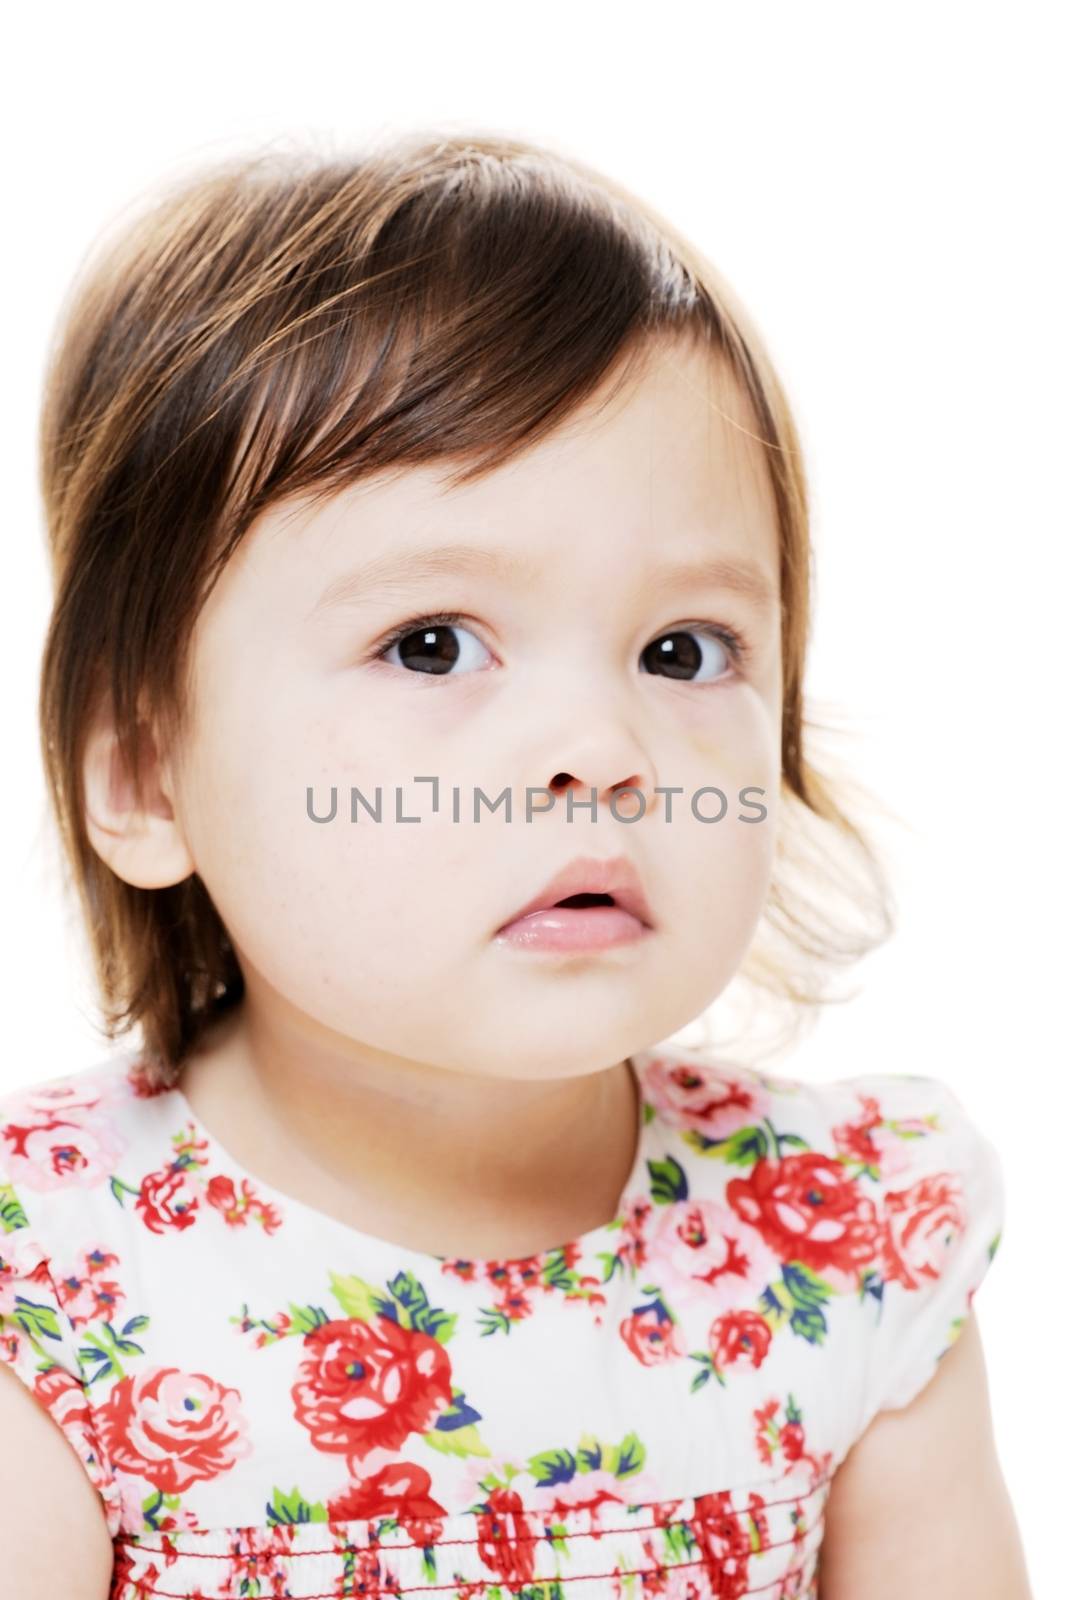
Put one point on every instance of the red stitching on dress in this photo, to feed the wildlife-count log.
(139, 1588)
(447, 1544)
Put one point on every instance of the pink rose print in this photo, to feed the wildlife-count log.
(710, 1253)
(44, 1102)
(85, 1294)
(872, 1142)
(64, 1397)
(368, 1385)
(173, 1427)
(920, 1225)
(808, 1210)
(579, 1501)
(56, 1142)
(715, 1103)
(400, 1490)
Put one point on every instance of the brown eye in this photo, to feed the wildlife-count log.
(681, 655)
(431, 647)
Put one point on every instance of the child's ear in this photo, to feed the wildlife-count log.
(142, 843)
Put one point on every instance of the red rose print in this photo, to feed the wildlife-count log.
(793, 1441)
(807, 1209)
(167, 1200)
(855, 1139)
(368, 1575)
(652, 1338)
(725, 1542)
(368, 1385)
(740, 1336)
(920, 1225)
(506, 1537)
(222, 1195)
(124, 1580)
(400, 1490)
(258, 1562)
(173, 1427)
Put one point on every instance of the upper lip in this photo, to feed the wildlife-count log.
(587, 875)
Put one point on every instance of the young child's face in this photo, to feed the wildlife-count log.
(383, 932)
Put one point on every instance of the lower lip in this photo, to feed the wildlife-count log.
(577, 928)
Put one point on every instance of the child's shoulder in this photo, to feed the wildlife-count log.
(877, 1190)
(873, 1126)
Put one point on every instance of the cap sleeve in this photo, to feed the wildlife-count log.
(38, 1341)
(940, 1215)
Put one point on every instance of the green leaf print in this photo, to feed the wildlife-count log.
(103, 1347)
(743, 1148)
(628, 1457)
(457, 1441)
(155, 1506)
(793, 1138)
(416, 1311)
(809, 1324)
(669, 1183)
(797, 1299)
(38, 1322)
(804, 1285)
(552, 1466)
(355, 1297)
(709, 1370)
(304, 1319)
(408, 1301)
(12, 1215)
(292, 1507)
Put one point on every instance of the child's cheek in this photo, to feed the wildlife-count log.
(731, 767)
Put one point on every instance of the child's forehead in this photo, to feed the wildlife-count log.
(362, 571)
(678, 437)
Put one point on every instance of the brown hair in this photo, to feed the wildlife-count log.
(289, 322)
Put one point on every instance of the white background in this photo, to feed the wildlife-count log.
(883, 190)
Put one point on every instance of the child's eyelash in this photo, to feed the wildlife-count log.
(735, 643)
(438, 619)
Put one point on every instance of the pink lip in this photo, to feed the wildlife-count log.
(544, 925)
(573, 928)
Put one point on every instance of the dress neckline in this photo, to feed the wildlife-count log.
(314, 1223)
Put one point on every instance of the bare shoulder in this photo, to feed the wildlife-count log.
(53, 1530)
(919, 1506)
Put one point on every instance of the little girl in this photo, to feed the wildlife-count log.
(422, 712)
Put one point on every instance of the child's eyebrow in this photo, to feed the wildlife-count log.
(396, 572)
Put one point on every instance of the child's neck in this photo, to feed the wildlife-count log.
(529, 1167)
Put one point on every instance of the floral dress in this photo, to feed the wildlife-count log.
(270, 1402)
